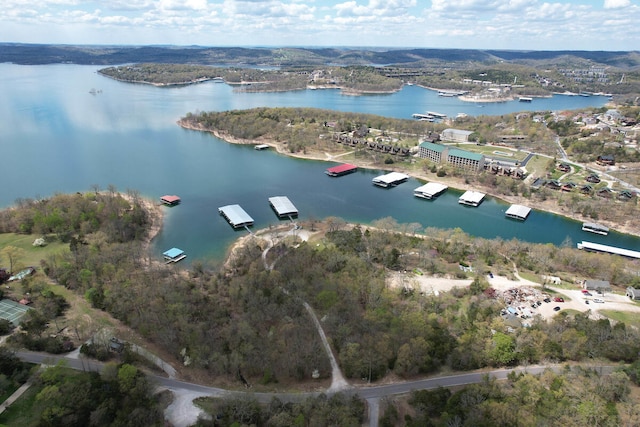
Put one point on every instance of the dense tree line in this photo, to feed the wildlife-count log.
(244, 321)
(573, 397)
(300, 128)
(323, 410)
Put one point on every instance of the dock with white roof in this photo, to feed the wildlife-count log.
(236, 216)
(390, 180)
(430, 191)
(518, 212)
(283, 207)
(597, 247)
(471, 198)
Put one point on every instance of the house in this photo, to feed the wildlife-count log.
(596, 285)
(455, 135)
(586, 189)
(568, 186)
(564, 167)
(625, 195)
(605, 192)
(606, 160)
(553, 184)
(633, 293)
(593, 178)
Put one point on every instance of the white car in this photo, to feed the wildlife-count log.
(598, 300)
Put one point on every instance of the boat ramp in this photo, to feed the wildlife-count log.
(283, 207)
(518, 212)
(430, 191)
(471, 198)
(173, 255)
(341, 170)
(236, 216)
(390, 180)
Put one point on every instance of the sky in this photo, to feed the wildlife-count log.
(470, 24)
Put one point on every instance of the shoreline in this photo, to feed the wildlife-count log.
(548, 206)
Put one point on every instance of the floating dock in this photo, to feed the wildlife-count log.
(518, 212)
(261, 147)
(174, 255)
(592, 227)
(340, 170)
(170, 200)
(471, 198)
(390, 180)
(525, 99)
(283, 207)
(430, 191)
(597, 247)
(236, 216)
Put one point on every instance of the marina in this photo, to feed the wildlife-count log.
(283, 207)
(390, 179)
(593, 227)
(597, 247)
(236, 216)
(170, 200)
(173, 255)
(341, 170)
(518, 212)
(430, 191)
(471, 198)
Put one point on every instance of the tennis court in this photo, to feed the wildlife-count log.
(12, 311)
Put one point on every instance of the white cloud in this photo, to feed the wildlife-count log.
(616, 4)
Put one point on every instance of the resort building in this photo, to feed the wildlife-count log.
(455, 135)
(455, 157)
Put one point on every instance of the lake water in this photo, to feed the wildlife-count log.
(57, 137)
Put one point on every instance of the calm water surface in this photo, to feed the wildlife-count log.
(57, 138)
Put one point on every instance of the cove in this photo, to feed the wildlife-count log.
(59, 138)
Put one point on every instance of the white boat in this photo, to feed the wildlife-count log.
(593, 227)
(525, 99)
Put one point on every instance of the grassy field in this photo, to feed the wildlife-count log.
(629, 318)
(32, 254)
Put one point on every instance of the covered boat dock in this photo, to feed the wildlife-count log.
(518, 212)
(170, 200)
(174, 255)
(340, 170)
(283, 207)
(236, 216)
(430, 190)
(471, 198)
(390, 180)
(597, 247)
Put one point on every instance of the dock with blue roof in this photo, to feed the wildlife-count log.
(173, 255)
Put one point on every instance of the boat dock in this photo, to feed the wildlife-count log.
(430, 191)
(597, 247)
(236, 216)
(283, 207)
(390, 180)
(261, 147)
(173, 255)
(341, 170)
(518, 212)
(525, 99)
(170, 200)
(593, 227)
(471, 198)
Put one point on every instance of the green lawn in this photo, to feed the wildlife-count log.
(32, 254)
(629, 318)
(20, 413)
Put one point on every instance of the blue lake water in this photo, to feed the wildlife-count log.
(57, 137)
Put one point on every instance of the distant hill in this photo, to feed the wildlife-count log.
(115, 55)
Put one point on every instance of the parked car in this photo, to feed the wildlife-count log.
(556, 308)
(586, 301)
(586, 292)
(546, 300)
(491, 275)
(598, 300)
(558, 299)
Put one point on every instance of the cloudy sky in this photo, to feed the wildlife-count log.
(490, 24)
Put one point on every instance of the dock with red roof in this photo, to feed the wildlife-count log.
(170, 200)
(340, 170)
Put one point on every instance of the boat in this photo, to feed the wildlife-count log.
(390, 180)
(593, 227)
(525, 99)
(261, 147)
(341, 170)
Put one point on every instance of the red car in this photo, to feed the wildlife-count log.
(586, 292)
(558, 299)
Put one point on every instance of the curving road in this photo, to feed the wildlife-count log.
(372, 394)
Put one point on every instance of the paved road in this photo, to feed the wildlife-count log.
(371, 394)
